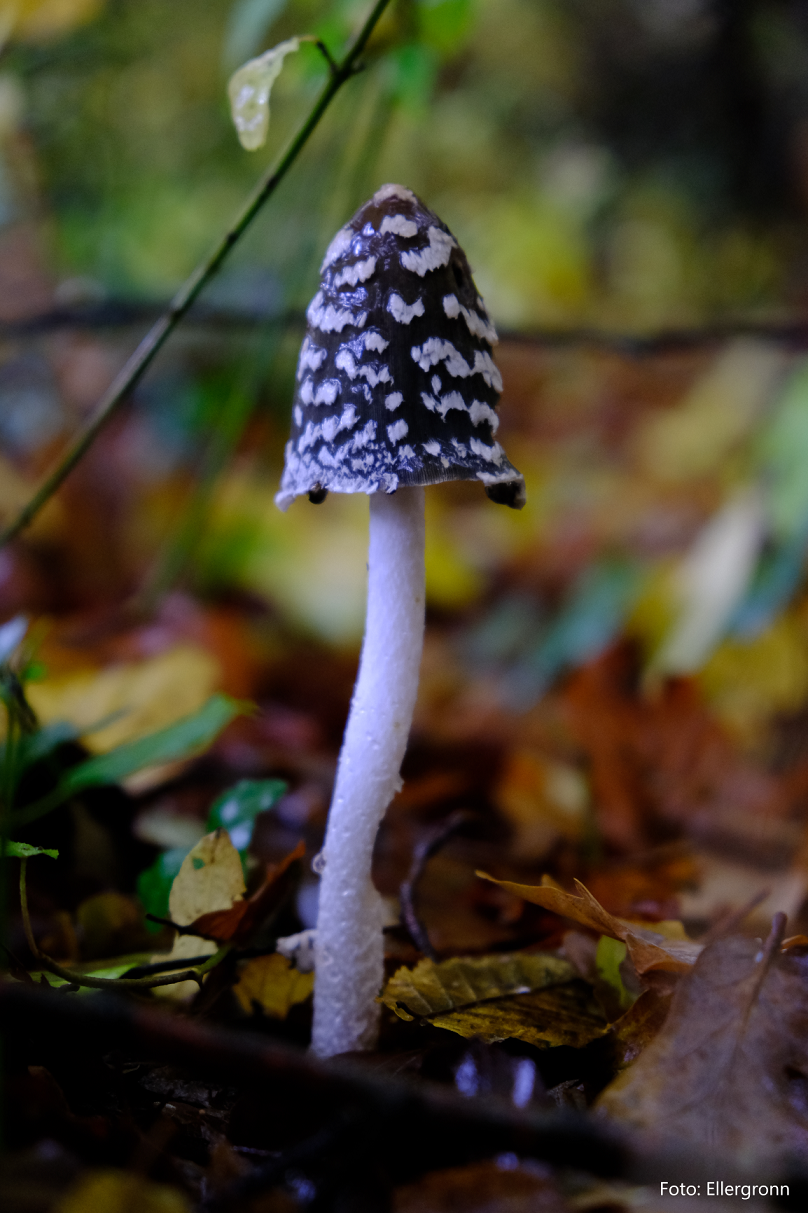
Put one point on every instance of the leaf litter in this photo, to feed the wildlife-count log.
(599, 979)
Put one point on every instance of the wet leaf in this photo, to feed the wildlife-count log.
(120, 1192)
(274, 984)
(24, 850)
(729, 1066)
(648, 949)
(433, 988)
(249, 90)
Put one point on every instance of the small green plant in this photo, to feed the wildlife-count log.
(30, 752)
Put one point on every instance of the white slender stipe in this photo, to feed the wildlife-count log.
(349, 946)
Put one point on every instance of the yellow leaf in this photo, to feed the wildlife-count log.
(149, 695)
(692, 439)
(211, 878)
(561, 1015)
(120, 1192)
(274, 983)
(249, 90)
(432, 989)
(41, 19)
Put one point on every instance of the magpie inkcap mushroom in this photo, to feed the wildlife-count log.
(396, 385)
(396, 389)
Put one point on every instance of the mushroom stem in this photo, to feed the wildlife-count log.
(349, 949)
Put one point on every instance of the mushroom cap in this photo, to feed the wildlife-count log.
(396, 385)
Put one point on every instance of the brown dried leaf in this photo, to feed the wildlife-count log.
(730, 1065)
(648, 949)
(238, 922)
(481, 1187)
(274, 984)
(641, 1023)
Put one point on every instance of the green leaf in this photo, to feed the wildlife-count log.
(412, 73)
(445, 24)
(249, 90)
(237, 808)
(24, 850)
(42, 743)
(183, 739)
(154, 884)
(609, 956)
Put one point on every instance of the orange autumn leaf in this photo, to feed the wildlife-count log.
(648, 949)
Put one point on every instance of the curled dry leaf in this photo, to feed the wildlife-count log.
(670, 951)
(532, 997)
(730, 1065)
(273, 984)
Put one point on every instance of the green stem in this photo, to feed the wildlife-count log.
(109, 983)
(157, 335)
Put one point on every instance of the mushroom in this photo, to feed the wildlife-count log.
(396, 389)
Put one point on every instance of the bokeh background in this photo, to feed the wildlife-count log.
(627, 659)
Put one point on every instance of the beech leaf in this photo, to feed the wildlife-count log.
(647, 949)
(566, 1014)
(274, 984)
(249, 90)
(210, 879)
(729, 1065)
(433, 988)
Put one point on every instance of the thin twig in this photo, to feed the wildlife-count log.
(422, 852)
(106, 983)
(132, 371)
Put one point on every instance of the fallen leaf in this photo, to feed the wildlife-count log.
(274, 984)
(647, 949)
(143, 696)
(433, 988)
(120, 1192)
(244, 917)
(635, 1030)
(210, 878)
(565, 1014)
(730, 1065)
(504, 1186)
